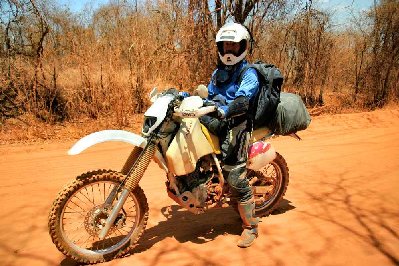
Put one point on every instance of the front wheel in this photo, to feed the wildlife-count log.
(79, 212)
(269, 185)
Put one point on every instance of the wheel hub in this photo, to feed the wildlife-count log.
(96, 218)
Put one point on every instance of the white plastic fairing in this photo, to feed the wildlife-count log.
(104, 136)
(191, 103)
(158, 109)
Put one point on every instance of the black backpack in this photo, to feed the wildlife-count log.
(270, 81)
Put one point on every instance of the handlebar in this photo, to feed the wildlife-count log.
(195, 113)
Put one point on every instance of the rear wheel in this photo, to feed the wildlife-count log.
(269, 185)
(79, 213)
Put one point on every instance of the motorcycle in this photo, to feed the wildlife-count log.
(102, 214)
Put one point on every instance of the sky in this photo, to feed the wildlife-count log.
(78, 5)
(341, 9)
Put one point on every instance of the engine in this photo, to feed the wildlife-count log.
(197, 189)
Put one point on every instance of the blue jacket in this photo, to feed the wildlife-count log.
(226, 93)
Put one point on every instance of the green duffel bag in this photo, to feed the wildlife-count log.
(291, 115)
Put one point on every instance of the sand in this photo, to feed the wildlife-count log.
(341, 206)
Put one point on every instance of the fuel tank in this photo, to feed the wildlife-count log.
(188, 146)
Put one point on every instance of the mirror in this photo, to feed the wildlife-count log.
(153, 94)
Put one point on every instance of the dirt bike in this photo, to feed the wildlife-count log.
(102, 214)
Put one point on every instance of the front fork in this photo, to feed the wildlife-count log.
(133, 178)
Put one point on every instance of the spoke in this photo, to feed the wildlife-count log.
(77, 205)
(267, 167)
(110, 239)
(104, 192)
(80, 213)
(80, 226)
(82, 233)
(87, 193)
(83, 244)
(99, 190)
(111, 188)
(132, 200)
(77, 197)
(121, 233)
(134, 204)
(73, 236)
(69, 220)
(82, 203)
(76, 212)
(92, 193)
(94, 243)
(73, 219)
(274, 175)
(127, 232)
(85, 196)
(130, 224)
(95, 239)
(77, 241)
(70, 223)
(107, 191)
(72, 227)
(77, 227)
(130, 207)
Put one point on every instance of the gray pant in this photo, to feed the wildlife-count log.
(234, 147)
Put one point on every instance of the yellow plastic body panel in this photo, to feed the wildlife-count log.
(188, 146)
(212, 139)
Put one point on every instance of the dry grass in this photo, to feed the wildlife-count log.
(28, 129)
(69, 74)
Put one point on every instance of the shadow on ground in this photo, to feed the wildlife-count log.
(370, 217)
(187, 227)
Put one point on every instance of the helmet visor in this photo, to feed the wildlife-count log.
(242, 48)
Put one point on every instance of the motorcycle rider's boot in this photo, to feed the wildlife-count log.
(249, 223)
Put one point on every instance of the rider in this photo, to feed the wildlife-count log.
(233, 100)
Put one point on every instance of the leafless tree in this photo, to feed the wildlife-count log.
(102, 62)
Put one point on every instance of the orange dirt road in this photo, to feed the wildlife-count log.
(341, 207)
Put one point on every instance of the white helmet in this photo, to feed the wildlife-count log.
(233, 32)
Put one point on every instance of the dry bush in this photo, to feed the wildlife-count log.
(100, 64)
(382, 71)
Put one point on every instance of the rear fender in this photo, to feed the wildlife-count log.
(260, 154)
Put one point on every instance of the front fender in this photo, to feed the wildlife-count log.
(107, 135)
